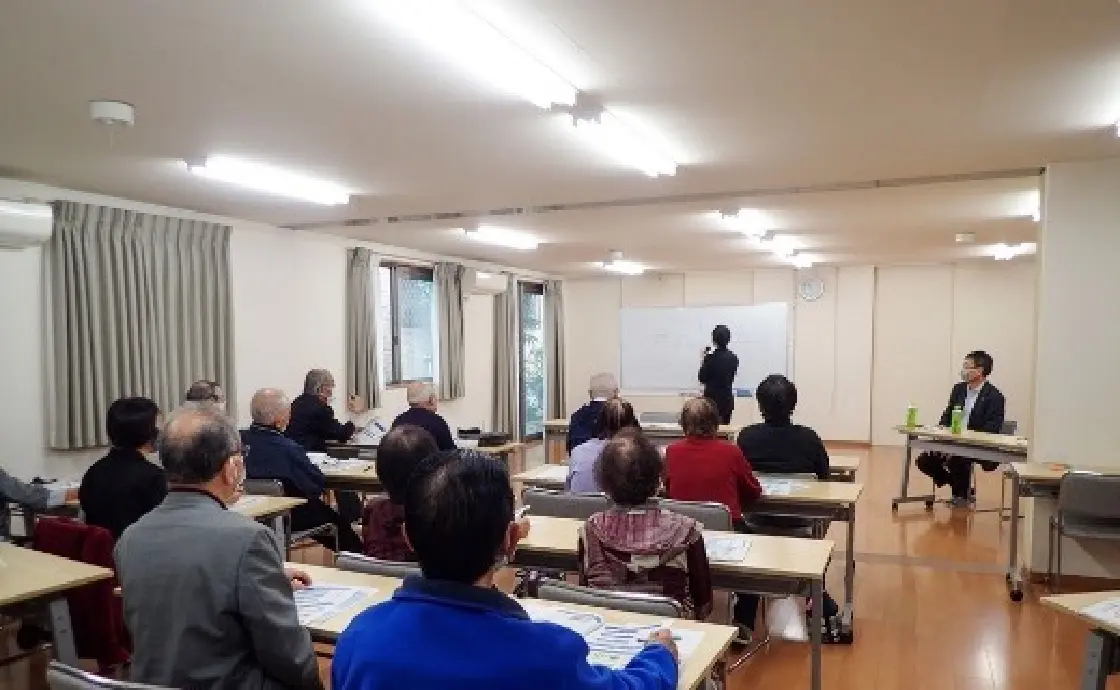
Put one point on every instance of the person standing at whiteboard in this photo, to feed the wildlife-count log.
(717, 373)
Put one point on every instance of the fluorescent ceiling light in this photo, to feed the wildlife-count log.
(801, 261)
(501, 237)
(470, 42)
(781, 246)
(19, 208)
(624, 144)
(748, 221)
(624, 267)
(1006, 252)
(265, 178)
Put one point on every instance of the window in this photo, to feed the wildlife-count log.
(531, 365)
(407, 322)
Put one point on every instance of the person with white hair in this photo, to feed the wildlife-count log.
(312, 422)
(582, 427)
(422, 405)
(205, 393)
(271, 455)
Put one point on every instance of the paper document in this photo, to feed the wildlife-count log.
(580, 622)
(342, 464)
(779, 487)
(730, 549)
(248, 501)
(323, 601)
(1107, 610)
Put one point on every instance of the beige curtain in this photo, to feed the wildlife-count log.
(505, 360)
(554, 348)
(361, 327)
(449, 316)
(136, 304)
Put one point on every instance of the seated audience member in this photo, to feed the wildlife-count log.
(422, 405)
(451, 628)
(271, 455)
(312, 421)
(983, 406)
(124, 486)
(581, 427)
(34, 497)
(778, 446)
(636, 545)
(704, 467)
(383, 518)
(614, 416)
(206, 596)
(202, 393)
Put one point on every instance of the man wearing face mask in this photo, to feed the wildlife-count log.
(206, 595)
(983, 407)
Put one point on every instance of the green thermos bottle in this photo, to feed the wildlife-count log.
(957, 420)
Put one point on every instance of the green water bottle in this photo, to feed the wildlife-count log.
(957, 420)
(911, 416)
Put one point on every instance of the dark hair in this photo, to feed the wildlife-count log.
(195, 444)
(397, 456)
(457, 511)
(629, 469)
(616, 415)
(983, 360)
(203, 391)
(777, 398)
(721, 335)
(131, 422)
(700, 417)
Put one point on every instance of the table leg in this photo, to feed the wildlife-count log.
(1100, 657)
(279, 525)
(846, 612)
(816, 591)
(1014, 576)
(62, 633)
(904, 486)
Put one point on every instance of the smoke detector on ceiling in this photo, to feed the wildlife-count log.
(112, 113)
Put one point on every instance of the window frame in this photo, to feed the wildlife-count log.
(399, 271)
(532, 288)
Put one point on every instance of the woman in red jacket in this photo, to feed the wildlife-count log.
(703, 467)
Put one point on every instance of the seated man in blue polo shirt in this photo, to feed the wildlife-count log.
(422, 405)
(450, 628)
(269, 454)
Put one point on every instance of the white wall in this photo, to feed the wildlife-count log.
(288, 305)
(878, 338)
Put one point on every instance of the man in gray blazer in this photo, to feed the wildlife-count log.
(206, 596)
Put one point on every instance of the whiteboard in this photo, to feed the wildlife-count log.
(662, 347)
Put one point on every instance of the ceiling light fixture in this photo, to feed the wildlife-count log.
(801, 261)
(470, 42)
(265, 178)
(604, 130)
(500, 237)
(619, 265)
(781, 246)
(748, 221)
(1006, 252)
(20, 208)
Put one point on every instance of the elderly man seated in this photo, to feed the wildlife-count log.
(422, 405)
(582, 426)
(271, 455)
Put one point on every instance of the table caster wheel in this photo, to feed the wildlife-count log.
(929, 505)
(846, 637)
(1016, 595)
(894, 507)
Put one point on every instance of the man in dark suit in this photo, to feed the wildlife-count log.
(581, 427)
(983, 407)
(423, 403)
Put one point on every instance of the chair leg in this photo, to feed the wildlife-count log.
(1058, 560)
(1050, 556)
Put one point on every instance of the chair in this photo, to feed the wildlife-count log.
(633, 602)
(274, 487)
(63, 677)
(555, 503)
(659, 417)
(1088, 508)
(359, 563)
(710, 515)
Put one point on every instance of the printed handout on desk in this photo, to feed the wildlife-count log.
(248, 502)
(1107, 610)
(580, 622)
(780, 487)
(728, 549)
(318, 602)
(343, 464)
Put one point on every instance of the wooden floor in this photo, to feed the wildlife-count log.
(931, 607)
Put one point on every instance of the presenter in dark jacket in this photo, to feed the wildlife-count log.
(983, 407)
(717, 373)
(313, 422)
(270, 455)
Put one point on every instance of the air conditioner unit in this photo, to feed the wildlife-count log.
(24, 225)
(484, 282)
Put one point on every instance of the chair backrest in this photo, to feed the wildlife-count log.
(633, 602)
(1009, 428)
(555, 503)
(1089, 498)
(359, 563)
(264, 487)
(63, 677)
(660, 417)
(709, 514)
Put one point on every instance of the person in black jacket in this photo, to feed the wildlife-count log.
(422, 405)
(581, 427)
(983, 407)
(270, 455)
(717, 373)
(124, 486)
